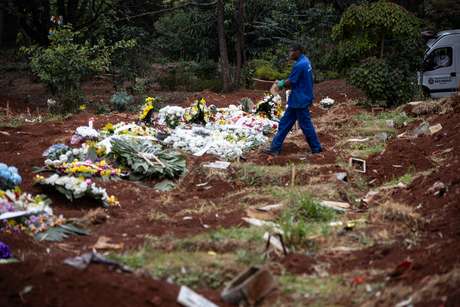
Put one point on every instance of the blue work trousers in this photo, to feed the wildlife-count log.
(286, 123)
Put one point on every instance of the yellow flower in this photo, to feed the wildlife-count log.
(113, 201)
(106, 173)
(149, 100)
(102, 163)
(82, 107)
(2, 194)
(108, 128)
(39, 178)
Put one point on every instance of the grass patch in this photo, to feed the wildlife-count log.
(16, 121)
(303, 217)
(206, 260)
(367, 149)
(257, 175)
(405, 179)
(313, 288)
(393, 211)
(194, 269)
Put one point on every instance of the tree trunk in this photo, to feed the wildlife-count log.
(382, 46)
(225, 68)
(239, 46)
(1, 26)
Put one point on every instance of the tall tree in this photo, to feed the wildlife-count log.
(239, 45)
(33, 17)
(225, 66)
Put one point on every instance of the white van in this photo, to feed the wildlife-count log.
(441, 65)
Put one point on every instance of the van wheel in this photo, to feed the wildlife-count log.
(426, 92)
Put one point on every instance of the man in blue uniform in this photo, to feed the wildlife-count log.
(300, 81)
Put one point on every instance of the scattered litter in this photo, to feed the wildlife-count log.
(422, 129)
(358, 280)
(189, 298)
(202, 184)
(414, 103)
(25, 290)
(403, 267)
(218, 165)
(270, 207)
(261, 214)
(342, 176)
(390, 123)
(82, 262)
(357, 140)
(259, 223)
(103, 242)
(187, 218)
(275, 240)
(336, 205)
(251, 286)
(382, 136)
(436, 128)
(5, 133)
(397, 166)
(327, 102)
(345, 249)
(437, 189)
(206, 226)
(405, 303)
(358, 165)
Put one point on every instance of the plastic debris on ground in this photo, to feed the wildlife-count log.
(81, 262)
(326, 102)
(251, 287)
(189, 298)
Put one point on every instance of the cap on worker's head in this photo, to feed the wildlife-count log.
(296, 47)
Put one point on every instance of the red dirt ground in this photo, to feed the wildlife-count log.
(54, 284)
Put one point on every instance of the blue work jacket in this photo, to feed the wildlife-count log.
(301, 79)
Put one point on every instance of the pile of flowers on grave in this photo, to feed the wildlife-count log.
(153, 146)
(23, 212)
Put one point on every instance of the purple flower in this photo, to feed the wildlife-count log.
(5, 251)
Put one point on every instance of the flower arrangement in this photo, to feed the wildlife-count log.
(22, 212)
(88, 169)
(270, 107)
(147, 110)
(198, 113)
(9, 176)
(83, 133)
(171, 116)
(77, 187)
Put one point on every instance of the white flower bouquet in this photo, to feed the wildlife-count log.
(74, 188)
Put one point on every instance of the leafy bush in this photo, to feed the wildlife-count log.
(120, 100)
(66, 61)
(384, 84)
(379, 43)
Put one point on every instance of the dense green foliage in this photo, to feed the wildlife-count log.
(380, 42)
(375, 44)
(66, 61)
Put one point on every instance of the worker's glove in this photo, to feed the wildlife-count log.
(281, 84)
